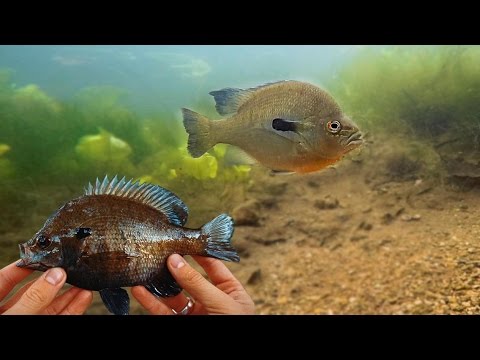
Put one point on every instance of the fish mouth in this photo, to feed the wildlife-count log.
(22, 263)
(354, 140)
(27, 264)
(26, 261)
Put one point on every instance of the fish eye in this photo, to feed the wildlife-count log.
(334, 126)
(43, 242)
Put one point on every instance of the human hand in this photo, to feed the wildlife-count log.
(225, 296)
(39, 296)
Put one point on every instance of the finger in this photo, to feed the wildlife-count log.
(176, 303)
(213, 299)
(40, 294)
(10, 276)
(215, 269)
(61, 302)
(15, 297)
(150, 302)
(79, 304)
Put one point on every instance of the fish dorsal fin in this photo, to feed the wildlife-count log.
(229, 100)
(153, 195)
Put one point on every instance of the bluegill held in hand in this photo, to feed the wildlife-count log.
(288, 126)
(120, 234)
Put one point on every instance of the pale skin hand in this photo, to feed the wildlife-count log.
(39, 297)
(224, 295)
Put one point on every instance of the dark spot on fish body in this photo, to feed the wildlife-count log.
(82, 233)
(284, 125)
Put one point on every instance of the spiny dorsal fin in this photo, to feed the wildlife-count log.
(161, 199)
(229, 100)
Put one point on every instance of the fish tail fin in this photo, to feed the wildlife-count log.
(219, 232)
(198, 129)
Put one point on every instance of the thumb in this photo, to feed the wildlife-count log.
(40, 294)
(213, 299)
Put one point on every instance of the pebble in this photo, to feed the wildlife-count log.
(282, 300)
(327, 204)
(246, 214)
(415, 217)
(255, 277)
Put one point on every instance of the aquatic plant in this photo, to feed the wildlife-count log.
(4, 148)
(421, 91)
(50, 145)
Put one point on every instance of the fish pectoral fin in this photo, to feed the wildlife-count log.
(282, 172)
(236, 156)
(116, 300)
(164, 285)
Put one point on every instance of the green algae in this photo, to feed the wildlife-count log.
(421, 91)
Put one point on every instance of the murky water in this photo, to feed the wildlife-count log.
(71, 113)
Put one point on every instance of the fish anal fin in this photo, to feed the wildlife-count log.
(164, 285)
(116, 300)
(282, 172)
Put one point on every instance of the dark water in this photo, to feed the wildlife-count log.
(71, 113)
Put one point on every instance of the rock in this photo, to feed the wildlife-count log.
(277, 189)
(246, 214)
(295, 291)
(415, 217)
(387, 218)
(255, 277)
(365, 226)
(357, 238)
(385, 242)
(282, 300)
(270, 203)
(313, 184)
(327, 203)
(434, 205)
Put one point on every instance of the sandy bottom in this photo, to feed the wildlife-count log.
(348, 242)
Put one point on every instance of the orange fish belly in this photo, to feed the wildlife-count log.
(312, 165)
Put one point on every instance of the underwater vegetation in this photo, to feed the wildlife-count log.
(423, 101)
(420, 91)
(44, 141)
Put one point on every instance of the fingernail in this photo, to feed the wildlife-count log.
(54, 276)
(176, 261)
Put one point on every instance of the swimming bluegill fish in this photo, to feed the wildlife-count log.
(288, 126)
(119, 234)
